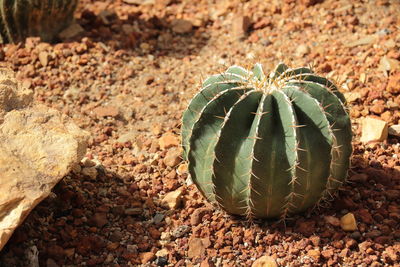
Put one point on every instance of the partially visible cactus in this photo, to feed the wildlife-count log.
(44, 18)
(267, 146)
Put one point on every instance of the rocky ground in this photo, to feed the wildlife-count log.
(127, 76)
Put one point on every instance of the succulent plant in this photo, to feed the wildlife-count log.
(22, 18)
(267, 146)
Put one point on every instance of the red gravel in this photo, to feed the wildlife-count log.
(127, 80)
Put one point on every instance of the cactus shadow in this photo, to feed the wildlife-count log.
(372, 194)
(149, 36)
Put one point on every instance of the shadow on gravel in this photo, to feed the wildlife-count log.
(372, 194)
(89, 217)
(153, 36)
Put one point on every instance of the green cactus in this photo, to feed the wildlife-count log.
(22, 18)
(267, 146)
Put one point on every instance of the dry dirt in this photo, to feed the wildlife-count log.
(127, 79)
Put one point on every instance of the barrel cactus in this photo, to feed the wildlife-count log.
(22, 18)
(267, 146)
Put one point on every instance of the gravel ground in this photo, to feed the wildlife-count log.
(127, 79)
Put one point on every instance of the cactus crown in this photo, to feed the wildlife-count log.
(267, 146)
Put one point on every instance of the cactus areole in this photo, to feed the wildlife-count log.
(45, 19)
(267, 146)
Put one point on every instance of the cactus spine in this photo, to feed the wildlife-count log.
(267, 146)
(22, 18)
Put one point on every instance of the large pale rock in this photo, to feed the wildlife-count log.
(12, 96)
(38, 147)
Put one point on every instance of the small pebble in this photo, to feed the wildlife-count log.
(348, 222)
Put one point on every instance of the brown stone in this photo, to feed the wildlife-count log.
(168, 140)
(134, 2)
(348, 222)
(207, 263)
(359, 177)
(315, 240)
(51, 263)
(196, 248)
(392, 194)
(393, 254)
(394, 84)
(146, 257)
(71, 31)
(377, 108)
(365, 216)
(350, 243)
(173, 157)
(55, 251)
(327, 253)
(344, 252)
(43, 58)
(181, 26)
(99, 219)
(306, 228)
(173, 199)
(332, 220)
(314, 253)
(309, 3)
(240, 25)
(106, 111)
(265, 261)
(154, 233)
(198, 214)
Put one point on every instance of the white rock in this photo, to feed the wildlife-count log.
(38, 147)
(373, 130)
(302, 50)
(352, 96)
(162, 253)
(394, 130)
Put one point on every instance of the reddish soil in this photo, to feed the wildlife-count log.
(127, 80)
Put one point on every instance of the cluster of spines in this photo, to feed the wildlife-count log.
(237, 78)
